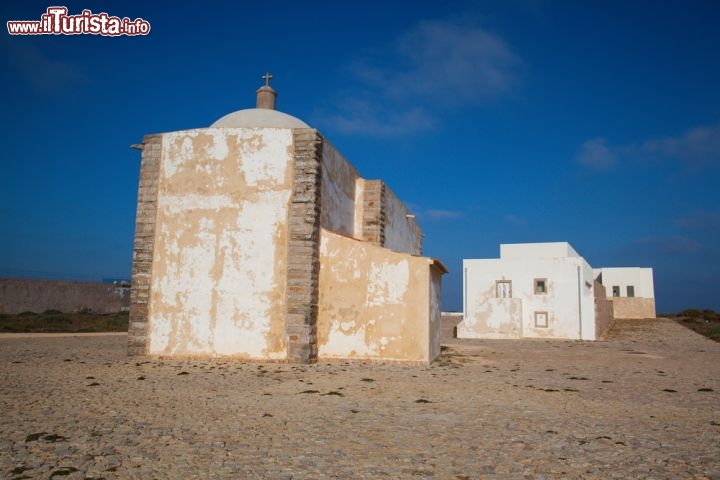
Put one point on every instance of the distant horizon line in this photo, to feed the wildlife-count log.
(67, 276)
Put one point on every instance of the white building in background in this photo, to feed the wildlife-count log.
(630, 289)
(542, 290)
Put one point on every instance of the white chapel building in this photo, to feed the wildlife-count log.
(541, 290)
(256, 239)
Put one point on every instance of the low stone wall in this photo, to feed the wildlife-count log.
(21, 295)
(449, 321)
(604, 313)
(633, 307)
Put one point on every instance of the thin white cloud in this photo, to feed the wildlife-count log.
(435, 65)
(436, 214)
(671, 245)
(514, 220)
(595, 154)
(359, 117)
(697, 147)
(43, 72)
(442, 61)
(699, 220)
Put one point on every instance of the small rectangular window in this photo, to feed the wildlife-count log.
(541, 319)
(503, 288)
(616, 291)
(540, 286)
(631, 291)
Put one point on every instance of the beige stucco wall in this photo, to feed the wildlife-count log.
(402, 233)
(375, 303)
(218, 284)
(633, 307)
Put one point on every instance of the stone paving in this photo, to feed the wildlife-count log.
(643, 404)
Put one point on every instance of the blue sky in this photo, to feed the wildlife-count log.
(596, 123)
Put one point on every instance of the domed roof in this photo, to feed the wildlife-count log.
(264, 116)
(259, 117)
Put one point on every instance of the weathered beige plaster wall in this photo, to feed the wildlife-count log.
(375, 303)
(337, 197)
(633, 307)
(402, 232)
(218, 283)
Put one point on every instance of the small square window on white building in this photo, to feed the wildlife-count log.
(630, 290)
(541, 319)
(503, 288)
(540, 287)
(616, 291)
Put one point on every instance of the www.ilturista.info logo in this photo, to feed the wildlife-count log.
(57, 22)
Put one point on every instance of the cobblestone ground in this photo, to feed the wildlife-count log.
(643, 404)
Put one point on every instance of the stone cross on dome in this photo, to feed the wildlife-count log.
(266, 95)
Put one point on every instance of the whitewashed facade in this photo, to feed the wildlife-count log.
(631, 289)
(541, 290)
